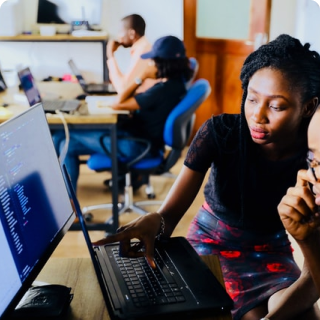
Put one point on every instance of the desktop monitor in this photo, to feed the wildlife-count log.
(66, 11)
(3, 85)
(35, 209)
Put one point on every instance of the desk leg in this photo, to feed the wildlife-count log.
(104, 62)
(114, 171)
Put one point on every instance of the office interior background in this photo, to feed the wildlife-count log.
(299, 18)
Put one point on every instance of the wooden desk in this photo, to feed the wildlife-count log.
(88, 303)
(75, 121)
(64, 38)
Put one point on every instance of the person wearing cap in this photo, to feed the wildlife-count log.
(131, 35)
(169, 65)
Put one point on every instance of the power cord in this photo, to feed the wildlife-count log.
(67, 135)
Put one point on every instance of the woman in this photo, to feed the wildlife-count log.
(149, 110)
(299, 208)
(254, 157)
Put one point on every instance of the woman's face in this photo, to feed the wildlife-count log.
(273, 110)
(314, 153)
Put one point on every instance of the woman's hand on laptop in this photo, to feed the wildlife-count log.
(145, 229)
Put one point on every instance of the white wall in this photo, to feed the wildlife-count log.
(47, 59)
(308, 23)
(299, 18)
(283, 17)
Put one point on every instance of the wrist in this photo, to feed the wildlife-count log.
(161, 228)
(313, 239)
(138, 81)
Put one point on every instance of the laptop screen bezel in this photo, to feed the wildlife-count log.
(21, 74)
(78, 75)
(47, 254)
(3, 85)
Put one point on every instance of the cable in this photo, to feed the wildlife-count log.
(67, 135)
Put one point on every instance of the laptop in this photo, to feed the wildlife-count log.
(91, 88)
(34, 213)
(3, 85)
(182, 285)
(32, 93)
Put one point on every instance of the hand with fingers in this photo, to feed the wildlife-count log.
(145, 229)
(298, 211)
(112, 46)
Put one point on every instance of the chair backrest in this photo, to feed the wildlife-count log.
(175, 130)
(179, 124)
(194, 65)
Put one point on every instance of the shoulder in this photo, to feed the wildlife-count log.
(142, 45)
(171, 85)
(221, 132)
(223, 124)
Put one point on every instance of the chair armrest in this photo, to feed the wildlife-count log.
(146, 143)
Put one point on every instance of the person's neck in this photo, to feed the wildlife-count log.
(274, 152)
(137, 38)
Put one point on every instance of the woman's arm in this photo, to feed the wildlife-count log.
(294, 300)
(299, 215)
(180, 197)
(130, 90)
(146, 228)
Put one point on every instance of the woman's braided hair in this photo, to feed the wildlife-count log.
(297, 63)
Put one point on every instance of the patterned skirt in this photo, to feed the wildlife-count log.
(254, 267)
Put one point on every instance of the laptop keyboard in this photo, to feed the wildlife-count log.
(149, 286)
(66, 105)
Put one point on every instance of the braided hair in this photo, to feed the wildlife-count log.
(298, 64)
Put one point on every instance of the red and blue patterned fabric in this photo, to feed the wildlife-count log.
(253, 266)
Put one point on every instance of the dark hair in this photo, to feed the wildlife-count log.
(173, 68)
(295, 61)
(298, 64)
(137, 23)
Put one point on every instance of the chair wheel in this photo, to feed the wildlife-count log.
(88, 217)
(151, 196)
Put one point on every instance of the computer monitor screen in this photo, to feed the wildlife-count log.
(66, 11)
(35, 208)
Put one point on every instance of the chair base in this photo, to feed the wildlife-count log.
(128, 205)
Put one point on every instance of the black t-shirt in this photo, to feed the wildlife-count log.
(216, 145)
(155, 105)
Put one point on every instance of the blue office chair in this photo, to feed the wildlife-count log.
(177, 132)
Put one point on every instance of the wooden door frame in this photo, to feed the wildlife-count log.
(260, 13)
(220, 60)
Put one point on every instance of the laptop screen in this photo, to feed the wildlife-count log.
(35, 210)
(28, 85)
(3, 85)
(77, 73)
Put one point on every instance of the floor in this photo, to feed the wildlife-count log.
(91, 190)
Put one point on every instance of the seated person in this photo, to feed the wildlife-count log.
(131, 35)
(299, 208)
(149, 110)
